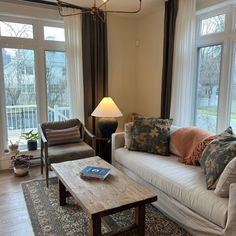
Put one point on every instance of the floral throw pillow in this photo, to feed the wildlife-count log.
(151, 135)
(218, 154)
(227, 132)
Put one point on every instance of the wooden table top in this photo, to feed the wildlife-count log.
(116, 193)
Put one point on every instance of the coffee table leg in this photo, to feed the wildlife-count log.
(140, 219)
(95, 226)
(62, 193)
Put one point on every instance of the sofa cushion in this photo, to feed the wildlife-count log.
(227, 177)
(184, 183)
(151, 135)
(69, 152)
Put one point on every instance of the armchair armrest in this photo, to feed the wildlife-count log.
(91, 137)
(44, 144)
(42, 136)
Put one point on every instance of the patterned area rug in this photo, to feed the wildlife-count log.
(48, 218)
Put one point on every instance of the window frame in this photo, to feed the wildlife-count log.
(226, 39)
(39, 46)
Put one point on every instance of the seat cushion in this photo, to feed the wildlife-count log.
(186, 184)
(69, 152)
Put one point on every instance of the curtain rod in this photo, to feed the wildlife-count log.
(51, 3)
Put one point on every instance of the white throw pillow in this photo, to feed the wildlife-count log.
(128, 135)
(172, 147)
(227, 177)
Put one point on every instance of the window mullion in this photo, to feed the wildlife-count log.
(224, 96)
(3, 124)
(224, 109)
(40, 75)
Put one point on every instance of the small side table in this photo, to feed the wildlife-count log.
(103, 148)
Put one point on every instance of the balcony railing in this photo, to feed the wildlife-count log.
(24, 117)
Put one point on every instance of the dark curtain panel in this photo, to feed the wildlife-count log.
(171, 9)
(95, 68)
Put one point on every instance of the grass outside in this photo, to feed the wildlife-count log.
(212, 111)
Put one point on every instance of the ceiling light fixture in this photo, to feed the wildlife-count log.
(94, 10)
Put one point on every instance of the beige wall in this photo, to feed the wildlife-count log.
(122, 55)
(149, 64)
(135, 47)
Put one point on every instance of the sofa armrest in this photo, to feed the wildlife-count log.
(231, 220)
(117, 141)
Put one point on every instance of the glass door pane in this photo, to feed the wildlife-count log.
(20, 92)
(233, 92)
(57, 87)
(208, 87)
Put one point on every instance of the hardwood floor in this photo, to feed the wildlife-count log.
(14, 218)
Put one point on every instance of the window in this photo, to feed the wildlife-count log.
(21, 108)
(209, 62)
(213, 24)
(54, 33)
(57, 87)
(10, 29)
(215, 106)
(34, 86)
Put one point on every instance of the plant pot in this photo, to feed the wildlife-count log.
(21, 171)
(32, 145)
(13, 150)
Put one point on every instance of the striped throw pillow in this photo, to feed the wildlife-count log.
(63, 136)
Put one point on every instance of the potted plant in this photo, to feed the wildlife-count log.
(20, 164)
(32, 138)
(13, 147)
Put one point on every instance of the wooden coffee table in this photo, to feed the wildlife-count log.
(101, 198)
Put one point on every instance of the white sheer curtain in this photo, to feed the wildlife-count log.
(73, 41)
(182, 100)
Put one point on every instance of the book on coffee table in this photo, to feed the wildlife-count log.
(93, 172)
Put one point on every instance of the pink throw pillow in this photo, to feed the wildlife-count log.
(190, 143)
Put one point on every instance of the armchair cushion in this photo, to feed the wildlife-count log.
(63, 136)
(69, 152)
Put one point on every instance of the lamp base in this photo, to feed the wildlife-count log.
(107, 126)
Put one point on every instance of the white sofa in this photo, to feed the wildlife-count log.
(181, 190)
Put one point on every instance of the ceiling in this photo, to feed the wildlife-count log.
(122, 5)
(113, 4)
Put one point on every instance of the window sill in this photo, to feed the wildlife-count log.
(35, 154)
(5, 159)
